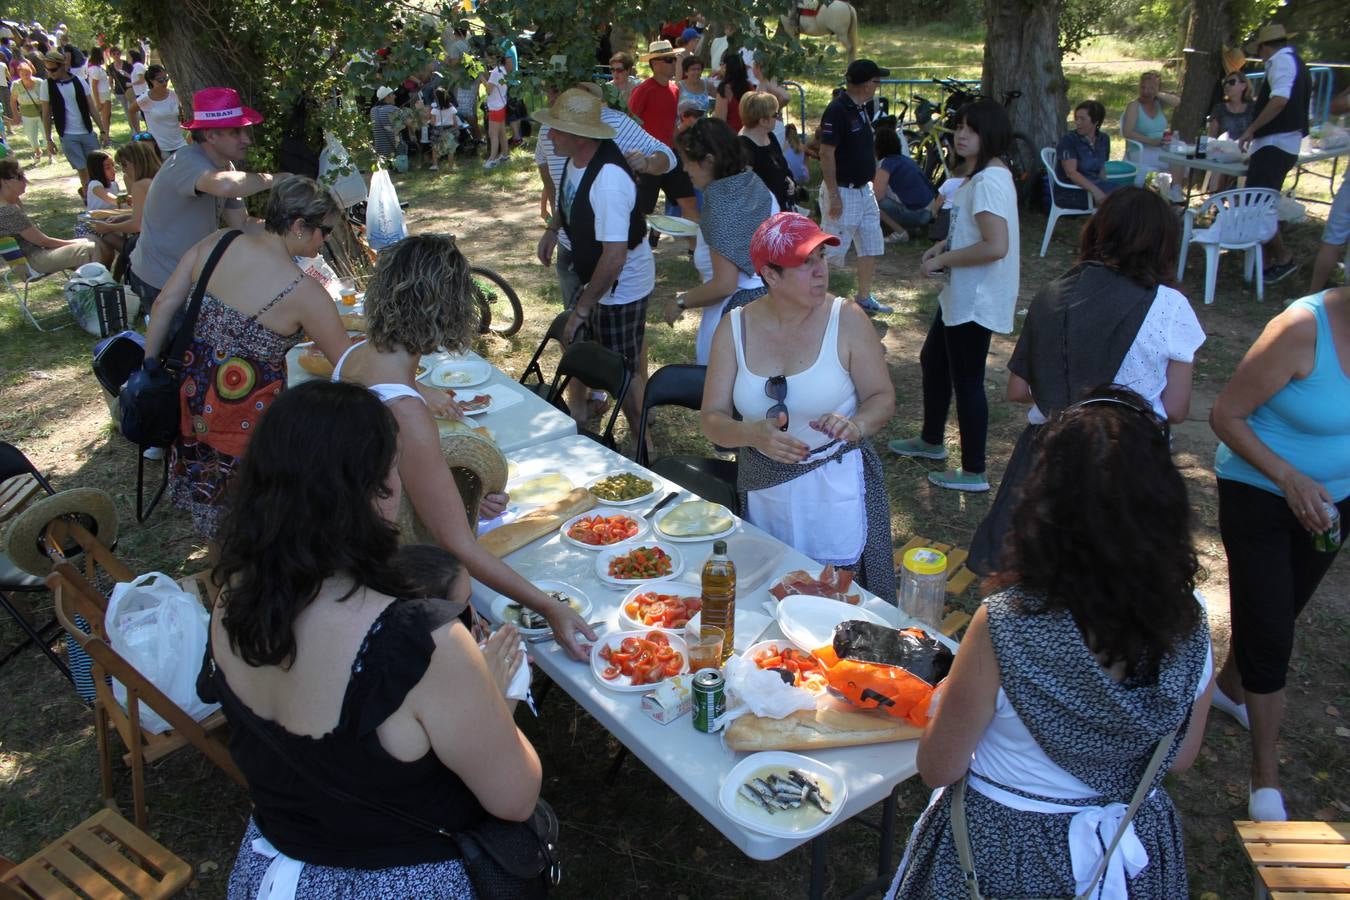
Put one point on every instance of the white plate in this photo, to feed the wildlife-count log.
(780, 824)
(680, 588)
(614, 639)
(500, 604)
(604, 556)
(674, 226)
(606, 512)
(500, 397)
(809, 621)
(656, 485)
(693, 538)
(459, 373)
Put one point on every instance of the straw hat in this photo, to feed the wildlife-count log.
(478, 468)
(1272, 32)
(91, 507)
(576, 111)
(1233, 60)
(661, 48)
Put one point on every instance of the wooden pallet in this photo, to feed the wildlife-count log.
(1299, 859)
(958, 576)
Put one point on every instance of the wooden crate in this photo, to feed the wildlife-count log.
(1299, 859)
(958, 576)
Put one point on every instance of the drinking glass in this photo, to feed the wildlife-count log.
(705, 646)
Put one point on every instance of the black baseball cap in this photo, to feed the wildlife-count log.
(861, 70)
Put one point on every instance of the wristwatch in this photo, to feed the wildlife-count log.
(679, 301)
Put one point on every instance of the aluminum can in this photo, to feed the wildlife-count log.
(1329, 541)
(710, 700)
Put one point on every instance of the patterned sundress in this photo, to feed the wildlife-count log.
(233, 369)
(1100, 731)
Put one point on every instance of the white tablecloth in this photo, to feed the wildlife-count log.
(523, 424)
(693, 764)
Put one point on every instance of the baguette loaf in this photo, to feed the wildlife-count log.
(534, 525)
(818, 729)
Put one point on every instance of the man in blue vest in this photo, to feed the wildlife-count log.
(597, 208)
(1278, 129)
(66, 104)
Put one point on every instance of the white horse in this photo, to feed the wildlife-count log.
(822, 18)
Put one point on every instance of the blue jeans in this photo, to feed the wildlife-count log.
(906, 217)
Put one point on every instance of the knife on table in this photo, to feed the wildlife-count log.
(659, 506)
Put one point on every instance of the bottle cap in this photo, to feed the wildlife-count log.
(925, 561)
(720, 548)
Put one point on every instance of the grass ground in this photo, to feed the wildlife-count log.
(634, 838)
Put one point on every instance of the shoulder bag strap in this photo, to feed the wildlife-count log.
(961, 834)
(173, 357)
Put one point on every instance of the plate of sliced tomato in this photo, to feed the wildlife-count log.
(602, 528)
(638, 660)
(781, 655)
(662, 604)
(638, 562)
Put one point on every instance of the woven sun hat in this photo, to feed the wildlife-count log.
(24, 540)
(1272, 32)
(220, 107)
(478, 468)
(576, 111)
(658, 49)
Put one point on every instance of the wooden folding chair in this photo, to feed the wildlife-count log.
(76, 595)
(104, 856)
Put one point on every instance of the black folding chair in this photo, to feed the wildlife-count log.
(600, 369)
(708, 477)
(119, 356)
(533, 376)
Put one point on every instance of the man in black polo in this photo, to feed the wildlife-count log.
(1278, 129)
(848, 163)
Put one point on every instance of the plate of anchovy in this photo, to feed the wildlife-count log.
(783, 794)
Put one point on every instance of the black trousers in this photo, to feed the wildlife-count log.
(952, 362)
(1273, 571)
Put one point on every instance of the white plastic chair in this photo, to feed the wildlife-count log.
(1134, 153)
(1244, 220)
(1048, 160)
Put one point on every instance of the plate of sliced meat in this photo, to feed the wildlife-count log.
(830, 582)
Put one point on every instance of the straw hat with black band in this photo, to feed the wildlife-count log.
(24, 539)
(576, 111)
(658, 49)
(1268, 34)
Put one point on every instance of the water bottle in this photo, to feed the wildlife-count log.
(1202, 141)
(923, 584)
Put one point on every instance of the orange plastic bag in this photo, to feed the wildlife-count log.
(873, 685)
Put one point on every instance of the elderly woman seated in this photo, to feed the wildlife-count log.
(1081, 157)
(43, 252)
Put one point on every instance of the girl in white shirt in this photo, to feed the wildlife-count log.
(445, 125)
(160, 107)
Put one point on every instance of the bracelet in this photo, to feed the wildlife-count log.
(856, 426)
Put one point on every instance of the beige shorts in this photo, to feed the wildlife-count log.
(71, 256)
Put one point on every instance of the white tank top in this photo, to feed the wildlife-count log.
(388, 392)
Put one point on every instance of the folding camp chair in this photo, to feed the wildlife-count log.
(18, 270)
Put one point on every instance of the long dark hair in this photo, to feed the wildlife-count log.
(302, 511)
(713, 138)
(1136, 233)
(989, 120)
(737, 77)
(1103, 530)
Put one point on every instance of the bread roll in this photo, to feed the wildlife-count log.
(817, 729)
(313, 361)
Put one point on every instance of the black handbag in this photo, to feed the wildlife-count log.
(148, 405)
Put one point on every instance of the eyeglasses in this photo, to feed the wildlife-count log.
(1232, 81)
(163, 79)
(619, 68)
(665, 59)
(775, 388)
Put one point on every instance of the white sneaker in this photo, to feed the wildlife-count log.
(153, 453)
(1267, 805)
(1225, 703)
(898, 237)
(490, 163)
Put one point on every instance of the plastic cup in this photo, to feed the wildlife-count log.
(347, 291)
(705, 647)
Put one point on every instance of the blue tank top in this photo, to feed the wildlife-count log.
(1307, 422)
(1151, 126)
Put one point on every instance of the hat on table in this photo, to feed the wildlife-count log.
(659, 49)
(1272, 32)
(576, 111)
(220, 107)
(786, 239)
(863, 70)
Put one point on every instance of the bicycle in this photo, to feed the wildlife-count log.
(351, 256)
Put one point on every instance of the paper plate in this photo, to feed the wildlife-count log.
(459, 373)
(673, 225)
(679, 588)
(694, 538)
(614, 639)
(642, 527)
(809, 621)
(500, 604)
(793, 824)
(604, 556)
(656, 483)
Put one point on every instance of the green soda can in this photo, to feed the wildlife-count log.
(709, 699)
(1329, 540)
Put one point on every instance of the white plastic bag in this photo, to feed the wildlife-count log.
(79, 292)
(763, 692)
(384, 220)
(337, 170)
(161, 630)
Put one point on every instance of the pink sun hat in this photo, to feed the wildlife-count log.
(219, 107)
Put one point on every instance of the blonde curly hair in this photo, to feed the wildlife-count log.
(421, 297)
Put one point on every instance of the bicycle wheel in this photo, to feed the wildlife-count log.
(490, 289)
(1022, 161)
(928, 155)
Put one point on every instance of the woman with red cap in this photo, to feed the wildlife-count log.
(808, 375)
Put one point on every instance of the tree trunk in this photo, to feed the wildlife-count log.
(1201, 65)
(1021, 53)
(193, 50)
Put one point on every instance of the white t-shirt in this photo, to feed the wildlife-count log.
(74, 124)
(161, 119)
(444, 118)
(1281, 70)
(496, 94)
(613, 195)
(984, 294)
(1169, 333)
(138, 77)
(95, 75)
(947, 190)
(94, 201)
(719, 49)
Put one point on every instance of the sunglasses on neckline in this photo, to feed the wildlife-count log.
(775, 388)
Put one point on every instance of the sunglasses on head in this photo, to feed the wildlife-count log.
(775, 388)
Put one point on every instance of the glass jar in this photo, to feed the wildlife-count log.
(923, 584)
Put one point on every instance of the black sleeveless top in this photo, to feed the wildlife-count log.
(303, 821)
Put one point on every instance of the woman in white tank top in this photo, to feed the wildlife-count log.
(808, 376)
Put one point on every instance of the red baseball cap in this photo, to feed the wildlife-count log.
(786, 239)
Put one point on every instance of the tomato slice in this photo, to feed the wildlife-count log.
(610, 673)
(673, 666)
